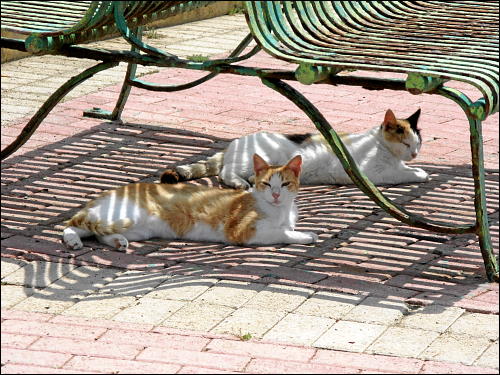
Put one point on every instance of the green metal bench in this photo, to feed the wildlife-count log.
(432, 42)
(52, 27)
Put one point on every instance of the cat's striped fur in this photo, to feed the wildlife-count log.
(135, 212)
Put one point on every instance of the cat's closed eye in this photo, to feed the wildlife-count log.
(267, 184)
(285, 184)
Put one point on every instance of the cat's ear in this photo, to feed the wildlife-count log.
(389, 118)
(295, 165)
(259, 164)
(413, 119)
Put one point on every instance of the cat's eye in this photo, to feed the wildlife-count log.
(267, 184)
(285, 184)
(400, 130)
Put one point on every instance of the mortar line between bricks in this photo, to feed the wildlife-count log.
(32, 365)
(215, 352)
(263, 342)
(69, 359)
(182, 364)
(480, 354)
(437, 337)
(422, 364)
(93, 355)
(138, 353)
(97, 356)
(204, 349)
(38, 350)
(99, 336)
(420, 361)
(380, 335)
(34, 342)
(244, 370)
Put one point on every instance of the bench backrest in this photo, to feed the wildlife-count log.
(53, 24)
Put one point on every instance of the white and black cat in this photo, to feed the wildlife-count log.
(380, 154)
(265, 214)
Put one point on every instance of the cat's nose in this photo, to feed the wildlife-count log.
(276, 195)
(414, 155)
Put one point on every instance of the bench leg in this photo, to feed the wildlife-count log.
(51, 102)
(362, 182)
(476, 144)
(97, 112)
(483, 230)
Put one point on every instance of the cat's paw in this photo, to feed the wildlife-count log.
(72, 241)
(421, 175)
(117, 241)
(314, 237)
(239, 184)
(121, 243)
(303, 237)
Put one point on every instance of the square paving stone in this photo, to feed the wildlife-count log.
(350, 336)
(378, 311)
(99, 306)
(38, 274)
(230, 293)
(50, 301)
(432, 318)
(456, 348)
(476, 324)
(182, 288)
(248, 320)
(329, 305)
(134, 283)
(279, 298)
(149, 311)
(86, 279)
(299, 329)
(198, 316)
(489, 358)
(402, 342)
(13, 294)
(10, 265)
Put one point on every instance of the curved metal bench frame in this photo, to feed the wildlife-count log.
(296, 32)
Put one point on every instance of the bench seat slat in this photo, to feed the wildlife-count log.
(323, 35)
(12, 12)
(56, 18)
(440, 39)
(35, 22)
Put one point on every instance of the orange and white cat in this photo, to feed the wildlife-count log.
(263, 215)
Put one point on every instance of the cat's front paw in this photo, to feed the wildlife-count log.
(314, 237)
(239, 184)
(303, 238)
(421, 175)
(72, 241)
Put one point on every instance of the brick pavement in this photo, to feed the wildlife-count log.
(177, 306)
(45, 343)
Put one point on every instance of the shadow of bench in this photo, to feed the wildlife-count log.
(432, 42)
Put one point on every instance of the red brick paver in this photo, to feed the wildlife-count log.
(40, 351)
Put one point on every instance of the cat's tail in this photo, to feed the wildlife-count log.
(203, 168)
(81, 220)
